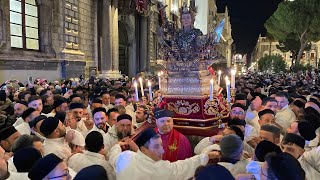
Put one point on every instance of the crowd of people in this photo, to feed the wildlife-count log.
(95, 129)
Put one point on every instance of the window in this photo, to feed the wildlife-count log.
(24, 24)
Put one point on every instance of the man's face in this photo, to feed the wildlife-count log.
(95, 105)
(100, 119)
(19, 109)
(62, 129)
(106, 99)
(77, 113)
(272, 106)
(112, 119)
(49, 93)
(7, 144)
(256, 103)
(63, 107)
(165, 124)
(156, 148)
(36, 104)
(120, 101)
(237, 112)
(71, 121)
(266, 135)
(124, 127)
(38, 146)
(282, 102)
(267, 119)
(293, 128)
(140, 116)
(293, 149)
(60, 172)
(49, 101)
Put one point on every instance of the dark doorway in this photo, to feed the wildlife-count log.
(123, 49)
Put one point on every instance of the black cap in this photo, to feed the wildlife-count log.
(145, 136)
(3, 95)
(299, 104)
(237, 121)
(25, 158)
(265, 111)
(96, 100)
(239, 106)
(265, 147)
(214, 172)
(293, 138)
(99, 109)
(49, 125)
(124, 116)
(27, 113)
(94, 141)
(44, 166)
(241, 96)
(59, 101)
(238, 131)
(306, 130)
(95, 172)
(7, 132)
(160, 113)
(37, 119)
(22, 102)
(76, 105)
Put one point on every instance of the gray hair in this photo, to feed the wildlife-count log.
(24, 141)
(231, 146)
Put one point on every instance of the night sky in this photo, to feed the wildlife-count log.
(247, 20)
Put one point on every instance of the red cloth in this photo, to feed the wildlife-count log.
(176, 146)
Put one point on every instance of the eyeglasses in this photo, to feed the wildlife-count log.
(240, 113)
(66, 173)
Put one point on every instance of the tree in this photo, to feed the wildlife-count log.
(296, 20)
(293, 46)
(272, 63)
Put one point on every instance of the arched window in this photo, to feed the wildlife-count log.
(24, 24)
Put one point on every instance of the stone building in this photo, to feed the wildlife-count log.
(266, 47)
(56, 39)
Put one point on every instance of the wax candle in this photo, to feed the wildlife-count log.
(141, 86)
(219, 77)
(150, 90)
(233, 78)
(211, 89)
(159, 80)
(136, 90)
(228, 90)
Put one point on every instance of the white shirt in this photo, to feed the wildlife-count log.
(110, 138)
(130, 111)
(24, 128)
(18, 122)
(285, 117)
(138, 166)
(109, 106)
(18, 176)
(310, 163)
(57, 146)
(79, 161)
(250, 132)
(237, 168)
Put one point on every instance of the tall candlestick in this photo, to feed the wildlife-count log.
(211, 89)
(228, 90)
(219, 77)
(136, 90)
(141, 86)
(150, 91)
(159, 80)
(233, 78)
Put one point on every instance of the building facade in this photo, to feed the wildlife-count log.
(54, 39)
(265, 47)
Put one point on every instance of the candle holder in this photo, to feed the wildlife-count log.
(233, 94)
(144, 100)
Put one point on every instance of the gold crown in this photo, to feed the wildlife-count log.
(187, 10)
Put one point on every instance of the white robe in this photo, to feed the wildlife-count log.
(110, 138)
(18, 176)
(24, 128)
(237, 168)
(250, 132)
(79, 161)
(138, 166)
(310, 163)
(285, 117)
(58, 147)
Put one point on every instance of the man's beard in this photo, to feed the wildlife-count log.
(62, 132)
(122, 135)
(101, 125)
(140, 120)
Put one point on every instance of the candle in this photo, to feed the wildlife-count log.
(141, 86)
(228, 90)
(219, 77)
(233, 78)
(136, 90)
(159, 78)
(211, 89)
(150, 91)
